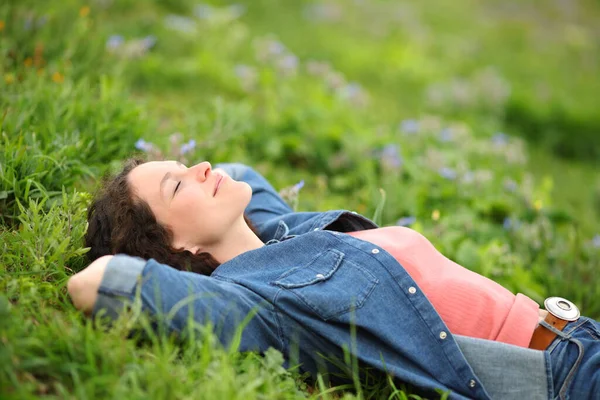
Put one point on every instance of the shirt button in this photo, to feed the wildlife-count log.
(375, 251)
(443, 335)
(472, 383)
(412, 290)
(320, 276)
(316, 229)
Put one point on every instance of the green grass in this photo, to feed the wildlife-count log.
(417, 137)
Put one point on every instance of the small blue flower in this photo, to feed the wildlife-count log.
(148, 42)
(275, 47)
(298, 186)
(500, 139)
(596, 241)
(187, 147)
(114, 42)
(244, 71)
(446, 135)
(406, 221)
(510, 224)
(510, 185)
(448, 173)
(351, 90)
(28, 23)
(409, 126)
(41, 21)
(142, 145)
(288, 62)
(390, 156)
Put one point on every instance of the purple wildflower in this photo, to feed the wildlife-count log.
(28, 23)
(114, 42)
(500, 139)
(390, 157)
(596, 241)
(406, 221)
(269, 49)
(275, 48)
(41, 21)
(446, 135)
(409, 126)
(351, 90)
(288, 63)
(148, 42)
(510, 224)
(510, 185)
(247, 75)
(448, 173)
(142, 145)
(296, 188)
(187, 147)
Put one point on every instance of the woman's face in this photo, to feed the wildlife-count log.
(196, 204)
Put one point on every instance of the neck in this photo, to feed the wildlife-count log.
(238, 240)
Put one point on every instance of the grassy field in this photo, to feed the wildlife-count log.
(474, 123)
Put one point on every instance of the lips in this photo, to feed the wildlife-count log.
(219, 179)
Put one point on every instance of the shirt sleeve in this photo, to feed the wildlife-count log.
(266, 203)
(178, 300)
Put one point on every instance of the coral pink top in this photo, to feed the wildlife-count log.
(470, 304)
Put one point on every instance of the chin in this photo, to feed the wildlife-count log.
(247, 190)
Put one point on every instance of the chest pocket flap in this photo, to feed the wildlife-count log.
(329, 284)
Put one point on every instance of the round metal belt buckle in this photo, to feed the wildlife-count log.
(562, 308)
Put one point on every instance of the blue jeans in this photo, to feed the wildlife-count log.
(575, 360)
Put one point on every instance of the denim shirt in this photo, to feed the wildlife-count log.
(312, 293)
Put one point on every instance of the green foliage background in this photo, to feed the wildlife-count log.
(473, 122)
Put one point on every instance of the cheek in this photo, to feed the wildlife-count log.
(191, 202)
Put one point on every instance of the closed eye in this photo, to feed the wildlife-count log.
(176, 187)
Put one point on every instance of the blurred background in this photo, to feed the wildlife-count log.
(476, 123)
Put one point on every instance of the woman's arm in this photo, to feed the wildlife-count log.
(173, 298)
(83, 286)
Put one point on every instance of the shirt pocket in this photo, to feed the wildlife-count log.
(330, 284)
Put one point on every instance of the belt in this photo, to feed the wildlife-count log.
(560, 313)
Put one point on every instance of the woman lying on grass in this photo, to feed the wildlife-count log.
(221, 245)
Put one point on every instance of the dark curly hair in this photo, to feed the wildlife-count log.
(121, 222)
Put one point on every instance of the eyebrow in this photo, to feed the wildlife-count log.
(166, 178)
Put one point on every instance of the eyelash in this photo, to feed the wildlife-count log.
(176, 187)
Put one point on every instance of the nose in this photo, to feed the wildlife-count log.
(201, 171)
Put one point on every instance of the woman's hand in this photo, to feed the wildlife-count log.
(83, 286)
